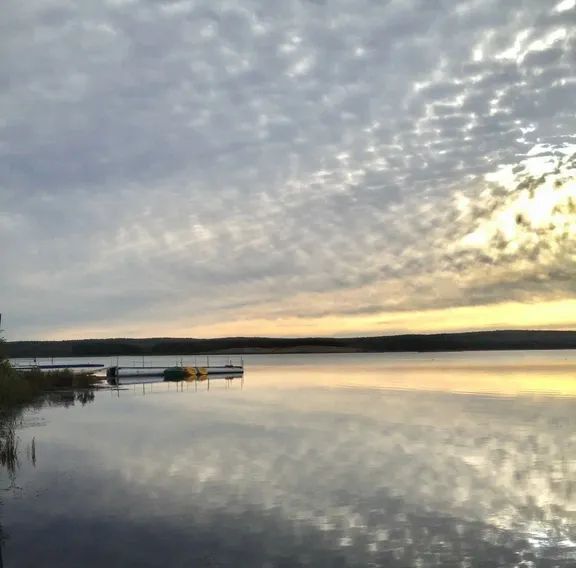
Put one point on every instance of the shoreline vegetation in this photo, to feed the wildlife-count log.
(469, 341)
(20, 388)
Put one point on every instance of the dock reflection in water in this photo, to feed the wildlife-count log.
(318, 461)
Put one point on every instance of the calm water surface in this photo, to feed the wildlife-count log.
(464, 460)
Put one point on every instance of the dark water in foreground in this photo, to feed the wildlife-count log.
(464, 460)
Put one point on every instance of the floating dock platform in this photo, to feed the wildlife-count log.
(178, 373)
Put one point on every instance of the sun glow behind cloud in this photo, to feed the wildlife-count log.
(539, 204)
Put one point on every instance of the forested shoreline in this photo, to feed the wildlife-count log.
(470, 341)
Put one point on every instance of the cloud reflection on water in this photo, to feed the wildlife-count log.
(310, 475)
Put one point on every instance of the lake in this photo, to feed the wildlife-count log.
(395, 460)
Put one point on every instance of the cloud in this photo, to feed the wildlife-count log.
(169, 158)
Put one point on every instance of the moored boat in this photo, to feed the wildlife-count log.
(179, 373)
(184, 373)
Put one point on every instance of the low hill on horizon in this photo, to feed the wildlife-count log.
(466, 341)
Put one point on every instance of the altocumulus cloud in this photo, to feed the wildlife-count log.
(188, 162)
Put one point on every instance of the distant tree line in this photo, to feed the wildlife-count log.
(472, 341)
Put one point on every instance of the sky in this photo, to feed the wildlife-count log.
(305, 167)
